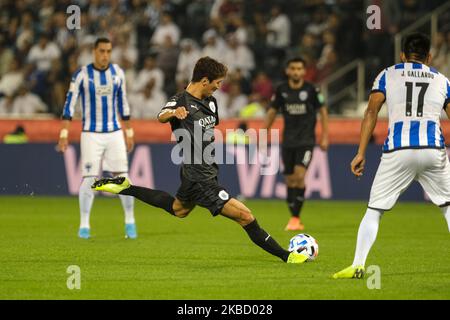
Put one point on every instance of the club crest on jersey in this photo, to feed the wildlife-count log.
(116, 80)
(212, 106)
(303, 95)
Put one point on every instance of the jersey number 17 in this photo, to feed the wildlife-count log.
(409, 93)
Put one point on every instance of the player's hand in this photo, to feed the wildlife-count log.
(62, 145)
(181, 113)
(324, 144)
(130, 143)
(357, 165)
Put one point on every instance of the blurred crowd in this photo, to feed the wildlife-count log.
(157, 43)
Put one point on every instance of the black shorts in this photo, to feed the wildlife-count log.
(207, 194)
(300, 156)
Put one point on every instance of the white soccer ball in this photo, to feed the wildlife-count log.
(304, 243)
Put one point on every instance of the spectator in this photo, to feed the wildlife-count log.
(329, 41)
(150, 71)
(238, 56)
(43, 53)
(12, 80)
(25, 33)
(167, 61)
(147, 103)
(278, 29)
(440, 53)
(123, 50)
(25, 103)
(186, 61)
(262, 88)
(278, 39)
(214, 45)
(85, 51)
(166, 28)
(6, 57)
(232, 102)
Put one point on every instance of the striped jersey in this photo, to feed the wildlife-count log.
(415, 96)
(103, 98)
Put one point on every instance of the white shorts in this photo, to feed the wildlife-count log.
(109, 147)
(398, 169)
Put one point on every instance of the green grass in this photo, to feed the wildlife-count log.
(201, 257)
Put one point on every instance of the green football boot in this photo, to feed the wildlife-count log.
(350, 273)
(112, 185)
(295, 257)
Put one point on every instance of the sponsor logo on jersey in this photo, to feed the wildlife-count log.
(207, 122)
(296, 108)
(103, 90)
(171, 104)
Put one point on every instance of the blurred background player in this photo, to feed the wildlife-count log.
(414, 148)
(101, 87)
(298, 101)
(199, 186)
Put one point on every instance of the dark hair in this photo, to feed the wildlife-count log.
(209, 68)
(101, 40)
(417, 45)
(295, 60)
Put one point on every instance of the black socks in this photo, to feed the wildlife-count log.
(265, 241)
(295, 199)
(156, 198)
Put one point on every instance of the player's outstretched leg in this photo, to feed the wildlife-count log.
(122, 186)
(367, 234)
(238, 212)
(86, 199)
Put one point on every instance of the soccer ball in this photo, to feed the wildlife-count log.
(304, 243)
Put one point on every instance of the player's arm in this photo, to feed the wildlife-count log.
(318, 102)
(69, 108)
(124, 111)
(323, 112)
(167, 114)
(447, 110)
(270, 118)
(376, 101)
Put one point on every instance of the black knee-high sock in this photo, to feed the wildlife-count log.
(265, 241)
(293, 201)
(291, 192)
(156, 198)
(299, 199)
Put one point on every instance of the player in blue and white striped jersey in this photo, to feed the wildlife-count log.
(101, 89)
(415, 95)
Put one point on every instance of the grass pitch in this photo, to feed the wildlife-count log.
(201, 257)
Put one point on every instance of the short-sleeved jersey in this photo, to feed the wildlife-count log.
(196, 131)
(103, 98)
(415, 95)
(299, 108)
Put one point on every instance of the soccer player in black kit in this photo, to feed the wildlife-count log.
(298, 101)
(189, 112)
